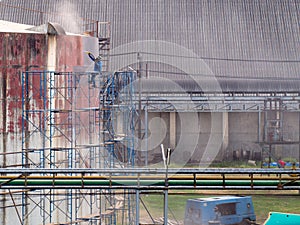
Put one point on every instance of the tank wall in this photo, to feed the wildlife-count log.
(29, 52)
(20, 52)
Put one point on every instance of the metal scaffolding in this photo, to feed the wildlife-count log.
(77, 120)
(118, 118)
(166, 101)
(275, 133)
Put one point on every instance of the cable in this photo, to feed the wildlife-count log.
(211, 58)
(282, 78)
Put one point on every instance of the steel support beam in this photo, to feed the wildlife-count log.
(151, 171)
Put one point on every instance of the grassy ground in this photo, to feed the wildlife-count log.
(263, 201)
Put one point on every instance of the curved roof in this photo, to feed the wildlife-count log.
(241, 85)
(249, 44)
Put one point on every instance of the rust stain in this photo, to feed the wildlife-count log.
(21, 52)
(26, 52)
(69, 52)
(4, 97)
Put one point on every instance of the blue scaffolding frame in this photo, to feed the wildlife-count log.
(119, 111)
(78, 120)
(42, 121)
(118, 117)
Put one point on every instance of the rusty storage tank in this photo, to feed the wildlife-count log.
(29, 48)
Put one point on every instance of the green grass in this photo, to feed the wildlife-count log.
(224, 164)
(263, 201)
(263, 204)
(234, 164)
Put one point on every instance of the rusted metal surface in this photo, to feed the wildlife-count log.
(20, 52)
(28, 52)
(69, 52)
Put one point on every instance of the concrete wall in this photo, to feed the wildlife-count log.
(199, 137)
(243, 133)
(291, 133)
(203, 137)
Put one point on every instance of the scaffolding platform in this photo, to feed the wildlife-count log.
(74, 126)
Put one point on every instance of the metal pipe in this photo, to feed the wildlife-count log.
(299, 140)
(146, 135)
(147, 177)
(152, 171)
(139, 156)
(144, 184)
(166, 207)
(154, 188)
(137, 205)
(259, 124)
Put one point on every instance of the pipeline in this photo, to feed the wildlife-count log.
(153, 179)
(149, 171)
(116, 183)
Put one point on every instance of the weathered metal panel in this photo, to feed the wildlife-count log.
(20, 52)
(29, 52)
(71, 55)
(69, 52)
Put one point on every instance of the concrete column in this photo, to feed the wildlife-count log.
(51, 63)
(259, 126)
(51, 66)
(225, 133)
(172, 130)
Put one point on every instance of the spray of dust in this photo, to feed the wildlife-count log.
(68, 17)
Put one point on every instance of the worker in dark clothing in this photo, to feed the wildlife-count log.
(97, 66)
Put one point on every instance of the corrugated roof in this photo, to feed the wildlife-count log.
(238, 85)
(236, 38)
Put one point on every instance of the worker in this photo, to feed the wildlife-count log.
(97, 66)
(97, 61)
